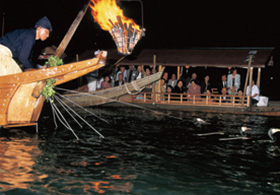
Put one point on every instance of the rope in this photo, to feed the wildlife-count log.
(81, 117)
(62, 104)
(82, 108)
(63, 120)
(135, 86)
(113, 100)
(127, 89)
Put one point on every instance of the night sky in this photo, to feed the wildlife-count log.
(173, 24)
(169, 24)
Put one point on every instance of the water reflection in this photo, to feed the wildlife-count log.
(18, 155)
(143, 153)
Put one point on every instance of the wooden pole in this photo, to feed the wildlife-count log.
(259, 78)
(181, 71)
(178, 72)
(159, 86)
(250, 85)
(64, 43)
(246, 82)
(154, 71)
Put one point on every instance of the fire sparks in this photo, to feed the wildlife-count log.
(125, 32)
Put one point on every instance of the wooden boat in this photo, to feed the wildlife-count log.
(20, 99)
(246, 59)
(105, 96)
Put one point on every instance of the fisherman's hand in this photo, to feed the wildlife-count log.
(45, 66)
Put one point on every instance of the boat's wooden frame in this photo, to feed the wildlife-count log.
(201, 103)
(21, 101)
(95, 98)
(257, 58)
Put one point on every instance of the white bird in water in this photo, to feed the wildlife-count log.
(243, 130)
(271, 133)
(200, 121)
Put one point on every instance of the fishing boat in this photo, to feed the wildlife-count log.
(95, 98)
(21, 101)
(249, 61)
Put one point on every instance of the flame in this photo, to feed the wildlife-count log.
(105, 13)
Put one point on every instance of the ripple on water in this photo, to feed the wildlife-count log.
(142, 153)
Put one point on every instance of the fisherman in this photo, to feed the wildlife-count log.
(18, 44)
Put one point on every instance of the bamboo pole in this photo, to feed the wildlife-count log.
(64, 43)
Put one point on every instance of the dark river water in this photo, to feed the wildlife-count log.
(143, 152)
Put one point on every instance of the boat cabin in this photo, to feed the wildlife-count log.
(250, 61)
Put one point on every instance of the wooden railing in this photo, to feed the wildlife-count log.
(192, 100)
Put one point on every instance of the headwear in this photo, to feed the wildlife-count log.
(45, 23)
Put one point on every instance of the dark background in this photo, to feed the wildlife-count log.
(169, 25)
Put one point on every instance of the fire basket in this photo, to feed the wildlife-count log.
(125, 37)
(124, 31)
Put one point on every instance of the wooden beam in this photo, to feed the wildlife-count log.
(247, 77)
(259, 78)
(64, 43)
(250, 85)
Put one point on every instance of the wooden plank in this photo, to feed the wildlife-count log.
(19, 125)
(22, 104)
(64, 43)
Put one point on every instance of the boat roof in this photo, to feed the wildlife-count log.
(200, 57)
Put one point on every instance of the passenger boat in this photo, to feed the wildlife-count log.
(245, 59)
(95, 98)
(21, 101)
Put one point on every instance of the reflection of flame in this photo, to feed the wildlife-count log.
(16, 165)
(125, 32)
(100, 186)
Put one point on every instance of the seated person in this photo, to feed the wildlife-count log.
(209, 95)
(172, 81)
(123, 71)
(225, 98)
(120, 80)
(139, 73)
(205, 85)
(106, 83)
(255, 93)
(193, 89)
(222, 83)
(179, 88)
(239, 97)
(169, 89)
(189, 79)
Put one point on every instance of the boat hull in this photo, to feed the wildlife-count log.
(21, 101)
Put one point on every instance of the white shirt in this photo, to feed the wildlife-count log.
(255, 90)
(139, 76)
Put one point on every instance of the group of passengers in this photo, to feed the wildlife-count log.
(121, 75)
(228, 85)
